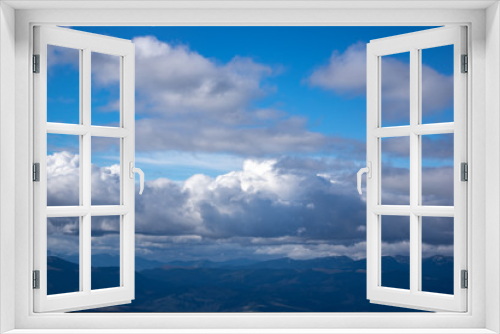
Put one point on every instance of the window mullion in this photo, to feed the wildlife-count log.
(86, 167)
(414, 171)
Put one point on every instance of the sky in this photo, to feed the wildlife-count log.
(250, 138)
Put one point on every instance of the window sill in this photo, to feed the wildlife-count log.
(252, 331)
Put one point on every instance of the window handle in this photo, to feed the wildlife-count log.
(134, 170)
(368, 171)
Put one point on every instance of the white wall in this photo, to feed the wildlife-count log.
(7, 160)
(492, 164)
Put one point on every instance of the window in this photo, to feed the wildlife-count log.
(329, 261)
(64, 116)
(482, 231)
(416, 129)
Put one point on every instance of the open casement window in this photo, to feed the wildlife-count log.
(73, 218)
(410, 130)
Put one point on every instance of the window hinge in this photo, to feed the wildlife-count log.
(464, 171)
(36, 279)
(36, 172)
(465, 279)
(465, 63)
(36, 63)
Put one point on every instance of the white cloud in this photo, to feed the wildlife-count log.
(396, 248)
(303, 252)
(345, 74)
(172, 79)
(431, 250)
(196, 104)
(192, 103)
(63, 179)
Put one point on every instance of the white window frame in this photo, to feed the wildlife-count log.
(482, 19)
(85, 43)
(414, 43)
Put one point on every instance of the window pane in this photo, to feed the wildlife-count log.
(437, 84)
(63, 170)
(105, 171)
(105, 252)
(63, 85)
(437, 169)
(105, 89)
(395, 183)
(437, 254)
(395, 94)
(395, 251)
(63, 255)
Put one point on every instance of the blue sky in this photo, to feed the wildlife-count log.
(294, 51)
(292, 55)
(250, 137)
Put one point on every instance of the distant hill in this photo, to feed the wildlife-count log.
(329, 284)
(211, 264)
(106, 260)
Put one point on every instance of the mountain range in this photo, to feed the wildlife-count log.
(327, 284)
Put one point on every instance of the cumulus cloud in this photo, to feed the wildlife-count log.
(301, 208)
(62, 175)
(345, 74)
(262, 201)
(172, 79)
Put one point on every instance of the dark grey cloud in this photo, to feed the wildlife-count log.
(63, 236)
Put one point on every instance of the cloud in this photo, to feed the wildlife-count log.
(172, 79)
(437, 185)
(262, 200)
(301, 208)
(304, 252)
(62, 56)
(345, 75)
(188, 102)
(62, 176)
(280, 137)
(63, 236)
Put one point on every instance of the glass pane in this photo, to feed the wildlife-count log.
(395, 92)
(63, 85)
(395, 183)
(437, 254)
(105, 171)
(437, 84)
(437, 169)
(105, 252)
(395, 252)
(63, 170)
(63, 255)
(105, 89)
